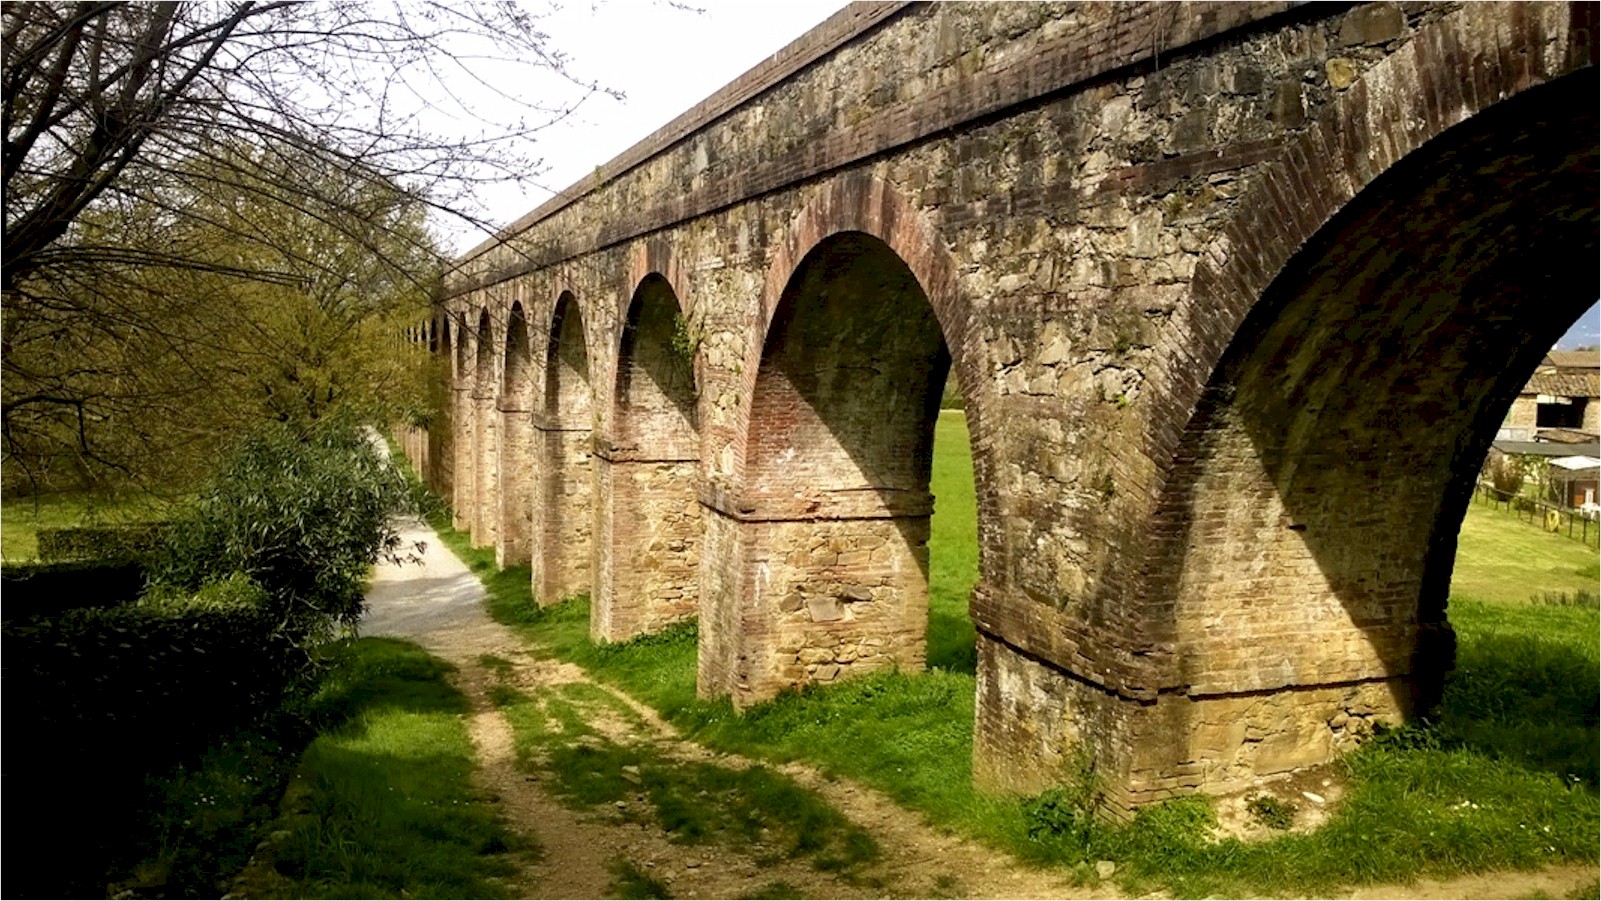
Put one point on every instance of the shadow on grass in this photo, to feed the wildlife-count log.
(1526, 688)
(383, 802)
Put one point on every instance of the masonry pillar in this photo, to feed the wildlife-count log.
(515, 495)
(811, 589)
(486, 489)
(647, 541)
(465, 442)
(563, 521)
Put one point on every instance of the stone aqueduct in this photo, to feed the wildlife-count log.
(1235, 294)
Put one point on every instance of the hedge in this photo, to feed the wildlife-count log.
(51, 589)
(131, 541)
(142, 682)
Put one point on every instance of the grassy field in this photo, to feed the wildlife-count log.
(1503, 559)
(1504, 775)
(952, 548)
(22, 518)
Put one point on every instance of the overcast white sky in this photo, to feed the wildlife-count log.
(664, 58)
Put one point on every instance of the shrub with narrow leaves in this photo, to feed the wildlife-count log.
(304, 515)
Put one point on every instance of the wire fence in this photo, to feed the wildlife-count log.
(1576, 524)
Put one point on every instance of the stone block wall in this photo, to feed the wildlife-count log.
(515, 495)
(564, 519)
(647, 568)
(485, 523)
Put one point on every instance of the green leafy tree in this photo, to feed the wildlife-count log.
(284, 311)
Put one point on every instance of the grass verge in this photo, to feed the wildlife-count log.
(693, 802)
(1501, 558)
(383, 805)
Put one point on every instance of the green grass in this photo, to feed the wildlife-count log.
(1504, 776)
(952, 548)
(1501, 558)
(633, 882)
(22, 518)
(383, 804)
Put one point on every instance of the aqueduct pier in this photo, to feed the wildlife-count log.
(1236, 295)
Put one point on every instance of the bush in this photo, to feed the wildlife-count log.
(304, 516)
(50, 589)
(150, 679)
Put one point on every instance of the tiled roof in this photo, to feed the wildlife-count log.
(1574, 359)
(1565, 383)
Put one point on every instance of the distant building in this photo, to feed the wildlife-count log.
(1561, 404)
(1574, 482)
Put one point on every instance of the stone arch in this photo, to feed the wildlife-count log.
(1347, 370)
(862, 202)
(564, 520)
(1406, 99)
(648, 523)
(464, 337)
(441, 436)
(464, 418)
(516, 441)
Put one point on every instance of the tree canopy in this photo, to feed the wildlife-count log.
(216, 210)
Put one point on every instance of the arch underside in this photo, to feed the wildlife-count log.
(1309, 529)
(515, 496)
(648, 532)
(564, 518)
(831, 528)
(486, 435)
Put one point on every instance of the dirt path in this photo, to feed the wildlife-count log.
(439, 604)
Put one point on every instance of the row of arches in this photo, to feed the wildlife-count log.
(597, 475)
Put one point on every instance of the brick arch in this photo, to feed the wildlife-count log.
(562, 526)
(485, 344)
(647, 543)
(1348, 360)
(654, 257)
(1403, 101)
(485, 389)
(463, 344)
(862, 202)
(566, 304)
(514, 497)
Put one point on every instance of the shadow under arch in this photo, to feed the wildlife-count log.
(486, 434)
(1307, 530)
(648, 520)
(565, 519)
(441, 472)
(516, 494)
